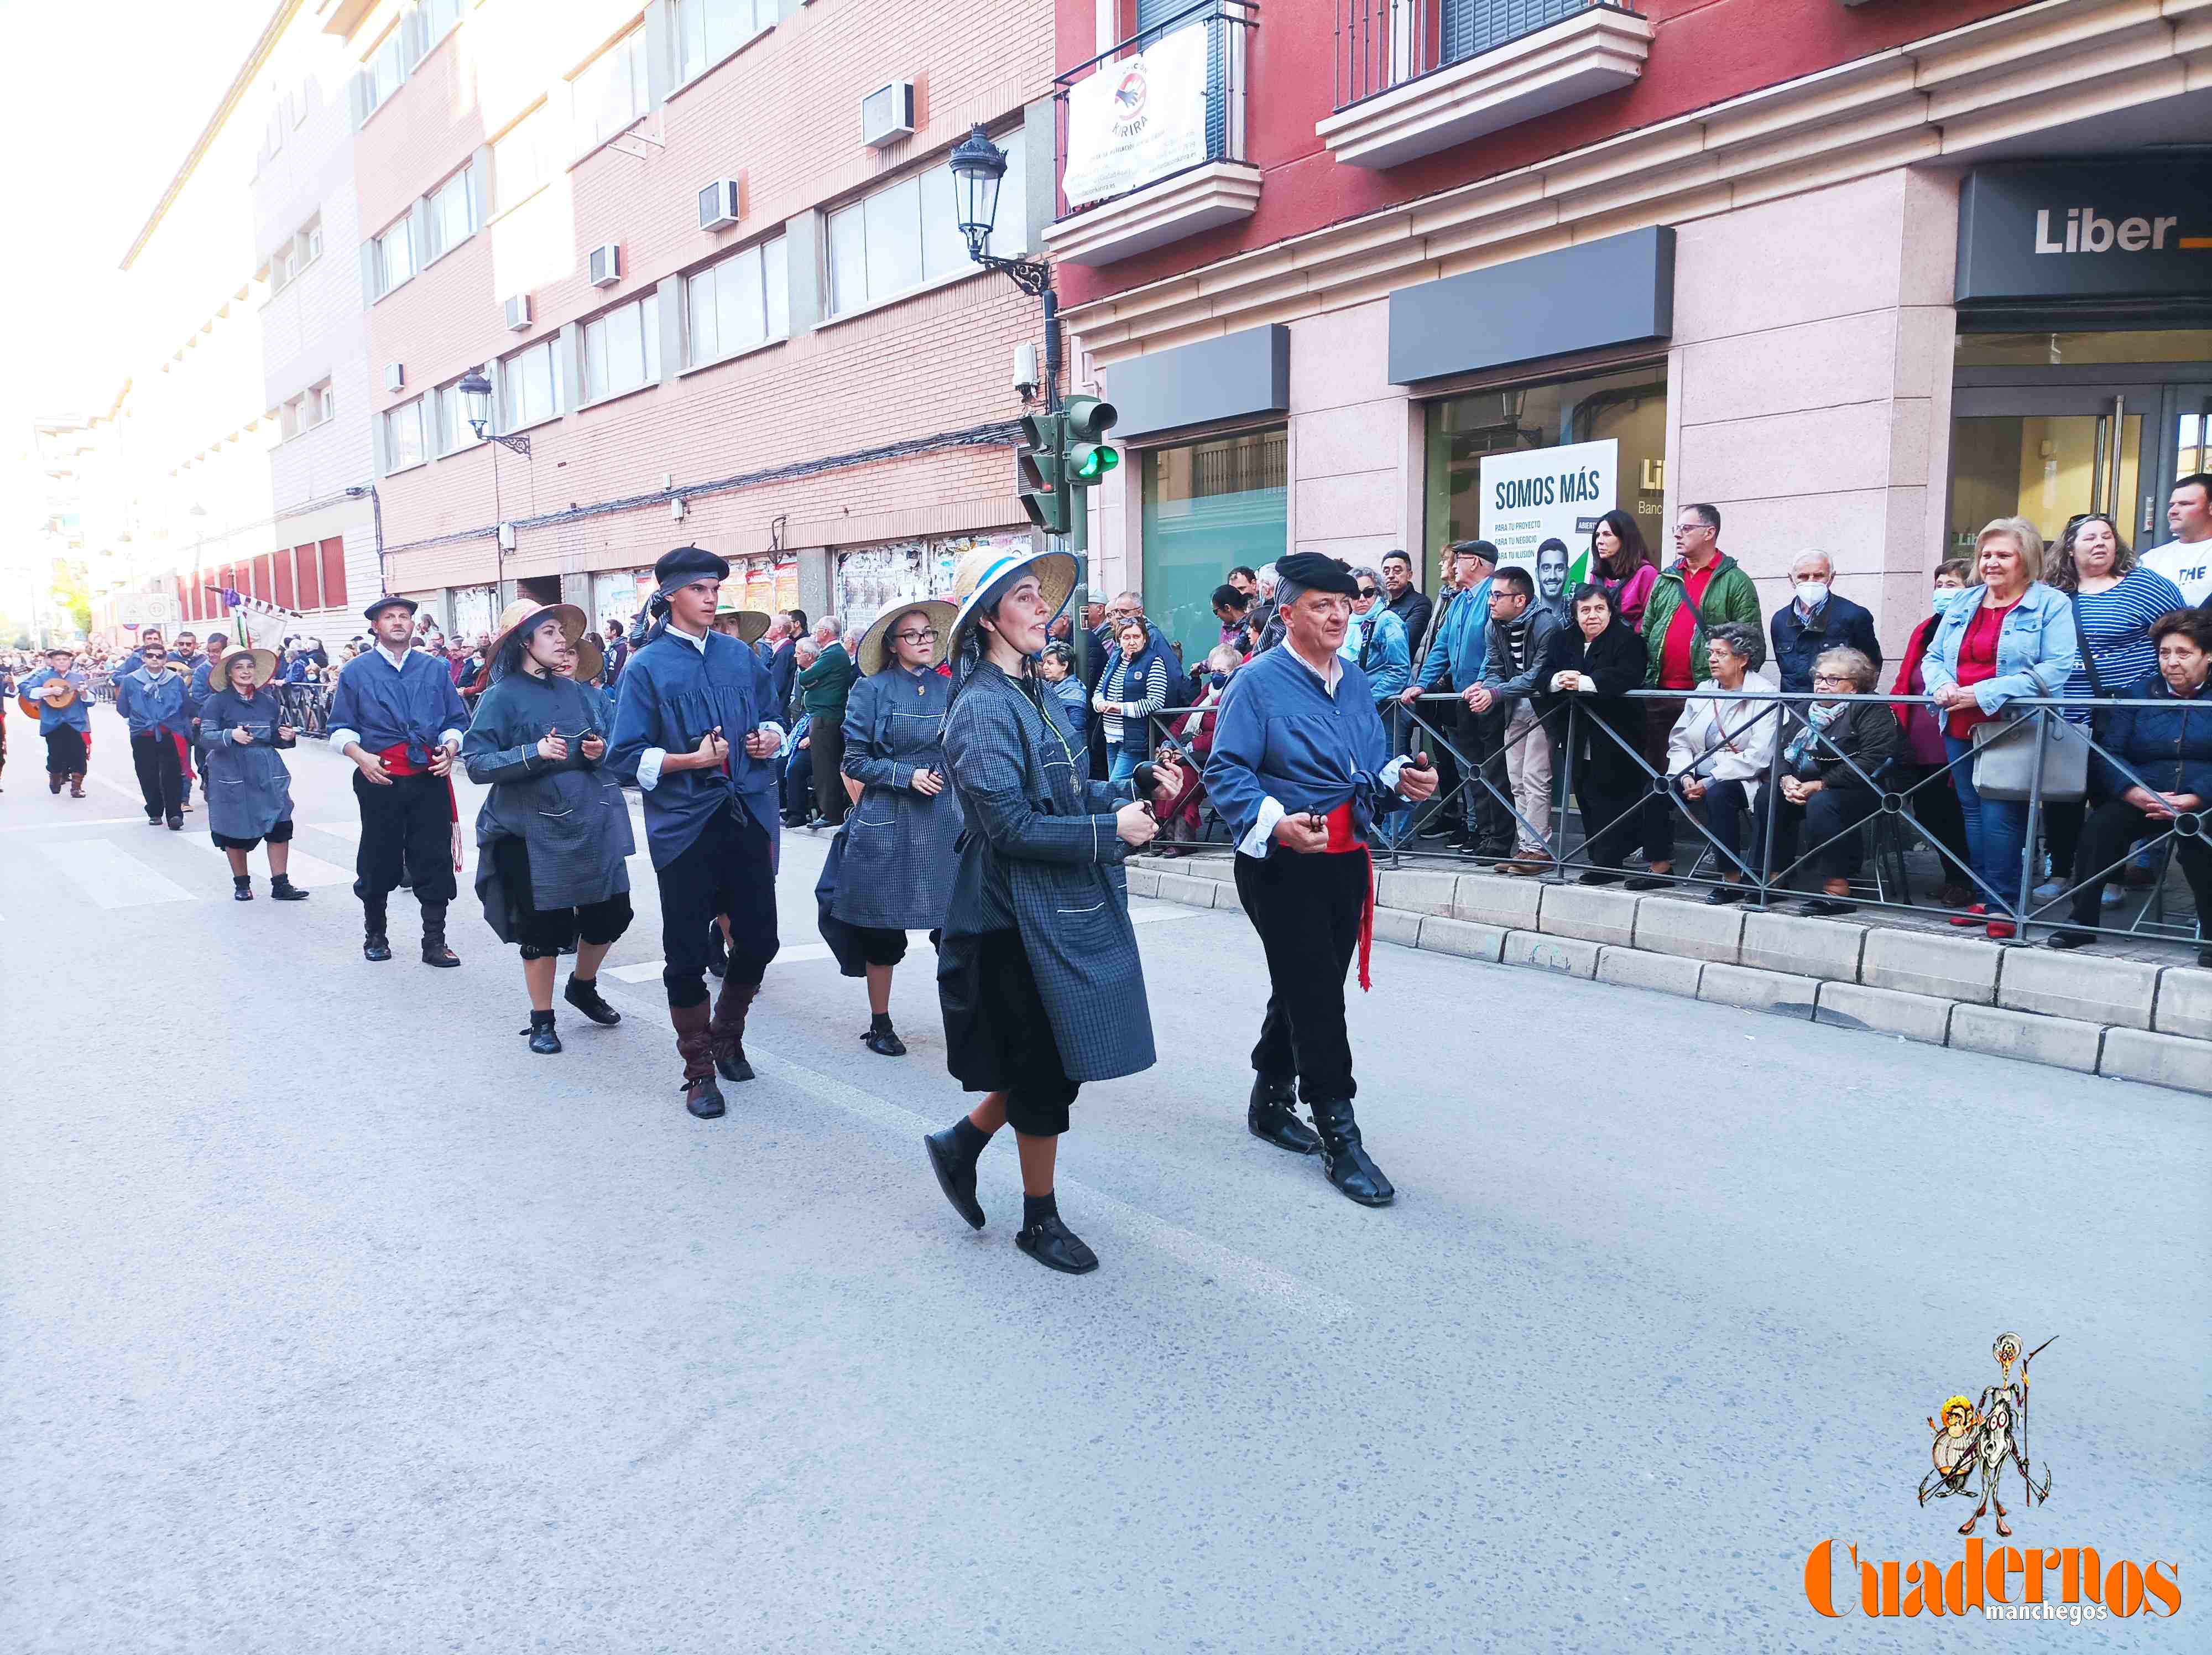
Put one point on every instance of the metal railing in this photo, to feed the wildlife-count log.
(1883, 827)
(1380, 44)
(1226, 23)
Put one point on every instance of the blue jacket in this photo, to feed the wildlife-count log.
(1840, 625)
(74, 716)
(2036, 649)
(673, 693)
(1376, 642)
(1280, 736)
(1461, 644)
(151, 703)
(381, 706)
(2168, 749)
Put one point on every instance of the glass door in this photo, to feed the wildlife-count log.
(2188, 425)
(2049, 454)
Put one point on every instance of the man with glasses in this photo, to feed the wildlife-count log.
(1405, 600)
(152, 700)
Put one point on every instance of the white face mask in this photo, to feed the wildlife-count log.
(1941, 598)
(1810, 593)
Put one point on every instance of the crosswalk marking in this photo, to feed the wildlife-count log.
(309, 872)
(113, 878)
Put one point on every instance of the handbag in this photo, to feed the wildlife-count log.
(2005, 748)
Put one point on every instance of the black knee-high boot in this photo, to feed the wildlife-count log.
(374, 944)
(434, 952)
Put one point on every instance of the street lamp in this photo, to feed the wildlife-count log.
(478, 390)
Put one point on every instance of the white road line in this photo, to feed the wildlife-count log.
(310, 873)
(111, 877)
(70, 822)
(131, 793)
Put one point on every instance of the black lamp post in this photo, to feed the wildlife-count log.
(477, 389)
(979, 166)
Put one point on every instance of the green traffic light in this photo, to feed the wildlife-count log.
(1090, 462)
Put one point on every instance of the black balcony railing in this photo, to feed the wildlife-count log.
(1380, 44)
(1226, 23)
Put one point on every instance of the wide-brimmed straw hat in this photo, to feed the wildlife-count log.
(591, 658)
(984, 567)
(525, 613)
(264, 665)
(876, 642)
(752, 625)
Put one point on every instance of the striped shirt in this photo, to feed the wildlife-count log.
(1121, 704)
(2115, 623)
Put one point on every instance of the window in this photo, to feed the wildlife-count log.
(529, 386)
(394, 256)
(322, 403)
(334, 579)
(284, 267)
(454, 432)
(907, 235)
(291, 418)
(523, 159)
(382, 75)
(622, 348)
(738, 303)
(1208, 506)
(430, 22)
(708, 31)
(609, 92)
(403, 436)
(452, 212)
(308, 568)
(315, 242)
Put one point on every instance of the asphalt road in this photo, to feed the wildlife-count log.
(335, 1321)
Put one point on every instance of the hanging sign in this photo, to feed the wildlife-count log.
(1547, 493)
(1139, 119)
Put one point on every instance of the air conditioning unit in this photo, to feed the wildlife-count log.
(718, 205)
(887, 114)
(606, 265)
(395, 376)
(518, 313)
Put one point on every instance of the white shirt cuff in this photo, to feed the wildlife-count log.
(648, 767)
(1587, 686)
(1389, 778)
(449, 738)
(774, 729)
(1255, 843)
(338, 738)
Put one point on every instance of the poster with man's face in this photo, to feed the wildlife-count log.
(1540, 497)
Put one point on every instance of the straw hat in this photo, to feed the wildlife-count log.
(986, 566)
(752, 625)
(875, 642)
(591, 658)
(525, 613)
(264, 666)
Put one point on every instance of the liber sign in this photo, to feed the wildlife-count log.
(2142, 230)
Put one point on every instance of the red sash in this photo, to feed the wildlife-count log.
(1343, 839)
(396, 763)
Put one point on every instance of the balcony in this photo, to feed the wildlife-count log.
(1414, 77)
(1152, 136)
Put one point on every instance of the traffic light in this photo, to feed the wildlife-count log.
(1042, 467)
(1089, 456)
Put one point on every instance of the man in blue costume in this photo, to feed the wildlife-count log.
(1300, 769)
(202, 687)
(697, 729)
(64, 719)
(397, 716)
(152, 702)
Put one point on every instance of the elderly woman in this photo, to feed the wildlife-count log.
(1376, 642)
(249, 789)
(2010, 635)
(1055, 670)
(1834, 754)
(1719, 749)
(2154, 764)
(1919, 771)
(2116, 602)
(1132, 688)
(1599, 664)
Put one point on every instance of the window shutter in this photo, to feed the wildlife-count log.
(284, 562)
(334, 574)
(307, 561)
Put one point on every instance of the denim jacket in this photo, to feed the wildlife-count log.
(2036, 649)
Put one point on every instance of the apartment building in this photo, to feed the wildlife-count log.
(240, 441)
(703, 253)
(1361, 274)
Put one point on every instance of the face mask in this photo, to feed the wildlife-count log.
(1941, 598)
(1810, 593)
(1217, 679)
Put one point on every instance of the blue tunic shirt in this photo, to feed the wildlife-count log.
(74, 716)
(153, 701)
(674, 690)
(1281, 736)
(381, 704)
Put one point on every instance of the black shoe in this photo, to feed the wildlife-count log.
(1646, 882)
(703, 1098)
(2204, 957)
(376, 945)
(435, 953)
(733, 1067)
(1345, 1159)
(1056, 1247)
(1718, 897)
(1825, 908)
(2071, 936)
(155, 820)
(956, 1174)
(1598, 876)
(176, 825)
(542, 1039)
(282, 890)
(1271, 1117)
(586, 998)
(884, 1042)
(242, 892)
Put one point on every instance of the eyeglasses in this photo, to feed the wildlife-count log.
(1367, 592)
(1832, 681)
(929, 635)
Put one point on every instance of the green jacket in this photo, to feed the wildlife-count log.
(823, 686)
(1730, 596)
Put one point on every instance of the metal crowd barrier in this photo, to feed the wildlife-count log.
(1887, 811)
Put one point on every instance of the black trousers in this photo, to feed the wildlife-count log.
(727, 869)
(406, 826)
(1306, 909)
(796, 787)
(1611, 821)
(1832, 811)
(2112, 827)
(1935, 807)
(65, 751)
(160, 773)
(825, 742)
(1482, 738)
(1722, 811)
(1658, 808)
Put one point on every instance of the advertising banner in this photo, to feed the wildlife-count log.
(1139, 119)
(1551, 497)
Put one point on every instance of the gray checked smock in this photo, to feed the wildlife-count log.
(896, 875)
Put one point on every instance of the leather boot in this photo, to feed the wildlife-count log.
(1271, 1116)
(543, 1038)
(53, 784)
(956, 1173)
(695, 1045)
(281, 888)
(1346, 1160)
(374, 944)
(728, 1028)
(77, 785)
(434, 952)
(585, 997)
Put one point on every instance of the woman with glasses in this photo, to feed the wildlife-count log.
(1835, 757)
(891, 868)
(1376, 642)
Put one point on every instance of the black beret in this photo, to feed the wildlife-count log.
(1315, 573)
(385, 602)
(685, 565)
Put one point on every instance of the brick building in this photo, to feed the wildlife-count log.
(703, 251)
(1364, 274)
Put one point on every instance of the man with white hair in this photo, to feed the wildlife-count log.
(1267, 611)
(1815, 620)
(823, 688)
